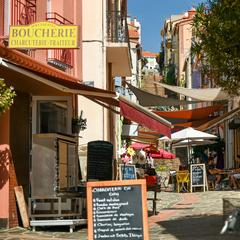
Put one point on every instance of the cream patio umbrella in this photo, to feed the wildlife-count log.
(189, 135)
(196, 142)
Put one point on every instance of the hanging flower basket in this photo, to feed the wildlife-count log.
(78, 124)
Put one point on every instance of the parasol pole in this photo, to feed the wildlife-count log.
(188, 152)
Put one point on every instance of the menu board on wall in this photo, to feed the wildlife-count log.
(198, 176)
(114, 213)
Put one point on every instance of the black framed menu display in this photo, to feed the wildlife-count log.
(127, 172)
(114, 213)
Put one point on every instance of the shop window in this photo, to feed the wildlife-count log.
(52, 115)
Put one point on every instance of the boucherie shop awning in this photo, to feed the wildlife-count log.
(29, 71)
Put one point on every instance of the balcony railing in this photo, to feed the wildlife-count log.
(60, 58)
(57, 18)
(117, 28)
(23, 12)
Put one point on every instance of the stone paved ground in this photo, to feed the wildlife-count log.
(182, 216)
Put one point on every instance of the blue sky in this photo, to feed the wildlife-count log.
(152, 13)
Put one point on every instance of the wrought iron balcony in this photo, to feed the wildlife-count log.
(57, 18)
(117, 28)
(60, 58)
(23, 12)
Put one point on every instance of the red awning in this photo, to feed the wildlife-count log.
(193, 114)
(144, 117)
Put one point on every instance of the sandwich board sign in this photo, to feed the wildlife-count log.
(127, 172)
(113, 212)
(198, 177)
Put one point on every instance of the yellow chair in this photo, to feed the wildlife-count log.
(183, 181)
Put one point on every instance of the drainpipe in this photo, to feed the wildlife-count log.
(104, 58)
(189, 78)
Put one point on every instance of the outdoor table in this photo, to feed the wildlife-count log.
(154, 188)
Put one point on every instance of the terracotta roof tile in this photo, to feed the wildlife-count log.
(32, 64)
(133, 34)
(149, 54)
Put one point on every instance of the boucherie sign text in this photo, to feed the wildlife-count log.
(43, 35)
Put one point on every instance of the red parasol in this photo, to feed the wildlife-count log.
(161, 153)
(139, 146)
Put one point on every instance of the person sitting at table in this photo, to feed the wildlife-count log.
(234, 178)
(213, 174)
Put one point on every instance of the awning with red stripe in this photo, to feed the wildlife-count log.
(144, 117)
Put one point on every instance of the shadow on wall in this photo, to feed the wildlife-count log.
(4, 164)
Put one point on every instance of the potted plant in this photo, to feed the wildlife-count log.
(78, 124)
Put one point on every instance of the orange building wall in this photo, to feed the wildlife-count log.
(8, 209)
(4, 183)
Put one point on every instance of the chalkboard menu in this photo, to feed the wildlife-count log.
(114, 213)
(198, 176)
(127, 172)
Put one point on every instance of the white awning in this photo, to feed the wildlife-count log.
(202, 94)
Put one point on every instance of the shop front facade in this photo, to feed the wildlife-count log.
(42, 104)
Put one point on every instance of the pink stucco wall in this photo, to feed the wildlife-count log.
(4, 181)
(4, 165)
(70, 10)
(185, 36)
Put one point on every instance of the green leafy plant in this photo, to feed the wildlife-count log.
(160, 61)
(216, 45)
(79, 124)
(7, 95)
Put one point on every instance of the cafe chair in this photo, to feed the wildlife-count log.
(183, 181)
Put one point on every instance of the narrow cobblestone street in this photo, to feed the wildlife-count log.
(184, 216)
